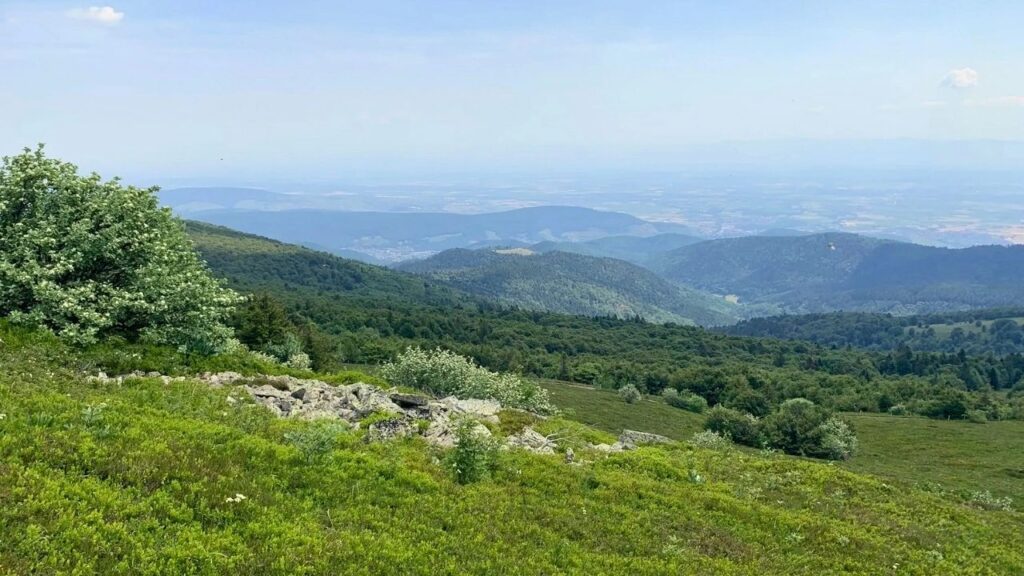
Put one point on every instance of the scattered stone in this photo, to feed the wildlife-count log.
(531, 440)
(570, 456)
(631, 438)
(387, 430)
(410, 400)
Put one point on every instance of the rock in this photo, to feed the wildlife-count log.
(474, 407)
(390, 430)
(267, 391)
(366, 400)
(153, 375)
(410, 400)
(284, 406)
(632, 438)
(300, 394)
(570, 456)
(531, 440)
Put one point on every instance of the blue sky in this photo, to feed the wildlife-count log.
(321, 89)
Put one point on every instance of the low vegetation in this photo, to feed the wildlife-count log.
(146, 477)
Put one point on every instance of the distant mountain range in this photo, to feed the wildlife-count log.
(684, 277)
(395, 236)
(573, 283)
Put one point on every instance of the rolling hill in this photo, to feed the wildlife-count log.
(834, 271)
(573, 284)
(639, 250)
(395, 236)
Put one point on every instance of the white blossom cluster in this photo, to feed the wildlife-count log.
(87, 258)
(443, 372)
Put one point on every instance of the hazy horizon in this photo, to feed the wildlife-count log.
(322, 90)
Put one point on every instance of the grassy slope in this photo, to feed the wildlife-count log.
(134, 479)
(956, 455)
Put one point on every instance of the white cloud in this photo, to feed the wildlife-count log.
(961, 78)
(997, 101)
(933, 104)
(99, 14)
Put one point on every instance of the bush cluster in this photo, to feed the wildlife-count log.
(684, 400)
(442, 373)
(798, 427)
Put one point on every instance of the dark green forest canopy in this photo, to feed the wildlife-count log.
(977, 332)
(373, 313)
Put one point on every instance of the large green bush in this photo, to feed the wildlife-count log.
(442, 372)
(741, 428)
(89, 258)
(804, 428)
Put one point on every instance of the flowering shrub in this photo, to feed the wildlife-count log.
(629, 394)
(446, 373)
(710, 440)
(87, 258)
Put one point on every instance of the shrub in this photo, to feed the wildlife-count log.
(898, 410)
(685, 400)
(317, 438)
(87, 259)
(475, 453)
(986, 501)
(630, 394)
(739, 427)
(804, 428)
(710, 440)
(838, 442)
(445, 373)
(977, 416)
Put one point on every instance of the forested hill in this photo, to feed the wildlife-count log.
(992, 331)
(640, 250)
(826, 272)
(371, 321)
(254, 263)
(574, 284)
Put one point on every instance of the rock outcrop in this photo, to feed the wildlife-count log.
(404, 415)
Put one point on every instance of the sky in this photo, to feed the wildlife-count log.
(324, 89)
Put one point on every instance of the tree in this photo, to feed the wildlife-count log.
(88, 258)
(262, 321)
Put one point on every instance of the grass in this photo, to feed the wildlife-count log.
(140, 477)
(604, 410)
(945, 330)
(956, 455)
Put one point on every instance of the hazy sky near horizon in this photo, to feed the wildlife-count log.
(320, 87)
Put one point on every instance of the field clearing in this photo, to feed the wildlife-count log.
(957, 455)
